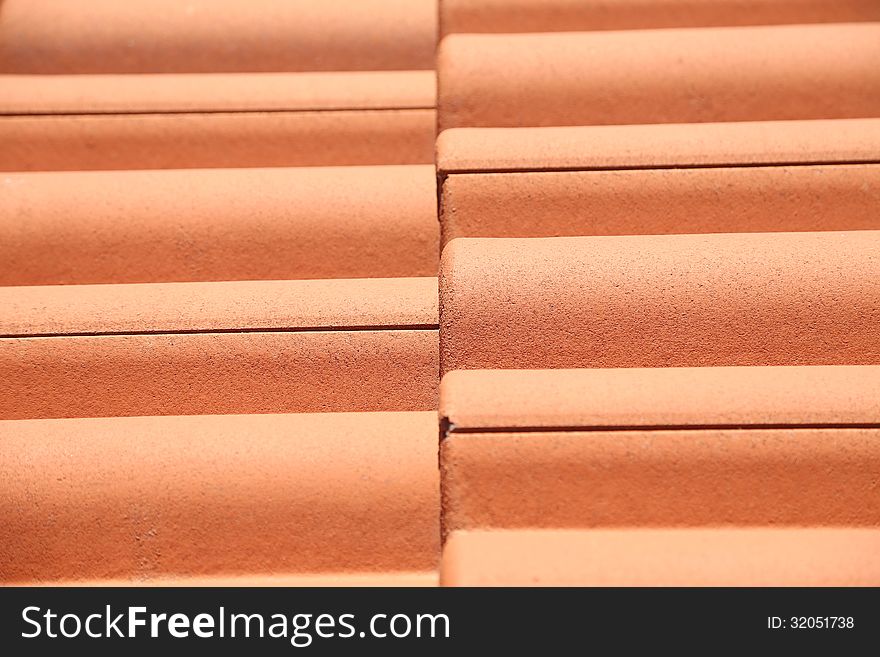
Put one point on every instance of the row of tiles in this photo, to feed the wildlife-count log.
(147, 556)
(251, 426)
(346, 345)
(77, 122)
(167, 36)
(658, 462)
(597, 212)
(691, 75)
(381, 221)
(648, 476)
(335, 118)
(627, 301)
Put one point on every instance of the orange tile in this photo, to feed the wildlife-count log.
(216, 92)
(229, 497)
(659, 76)
(668, 397)
(426, 578)
(661, 447)
(661, 301)
(661, 201)
(646, 477)
(373, 303)
(167, 36)
(658, 146)
(231, 120)
(221, 224)
(576, 15)
(248, 347)
(632, 180)
(663, 557)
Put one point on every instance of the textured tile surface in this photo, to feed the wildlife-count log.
(658, 557)
(234, 496)
(574, 15)
(476, 400)
(660, 76)
(168, 36)
(217, 225)
(661, 301)
(182, 349)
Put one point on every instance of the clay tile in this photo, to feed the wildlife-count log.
(213, 498)
(662, 557)
(661, 301)
(241, 347)
(390, 578)
(479, 400)
(588, 148)
(215, 120)
(221, 92)
(658, 179)
(577, 15)
(232, 224)
(167, 36)
(661, 477)
(659, 76)
(661, 447)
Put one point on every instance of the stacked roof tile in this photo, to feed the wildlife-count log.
(659, 292)
(656, 317)
(219, 247)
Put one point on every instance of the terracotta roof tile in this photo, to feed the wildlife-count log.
(576, 15)
(372, 303)
(192, 141)
(183, 349)
(475, 400)
(656, 179)
(203, 225)
(659, 76)
(658, 146)
(167, 36)
(664, 557)
(659, 292)
(75, 122)
(218, 92)
(661, 447)
(213, 497)
(661, 301)
(643, 477)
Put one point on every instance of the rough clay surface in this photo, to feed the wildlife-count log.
(229, 92)
(218, 496)
(219, 306)
(218, 373)
(573, 15)
(663, 557)
(661, 397)
(661, 478)
(216, 140)
(217, 225)
(661, 301)
(211, 36)
(661, 201)
(662, 145)
(659, 76)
